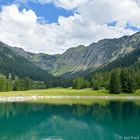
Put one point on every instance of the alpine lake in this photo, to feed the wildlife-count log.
(114, 120)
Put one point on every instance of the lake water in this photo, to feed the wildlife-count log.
(111, 121)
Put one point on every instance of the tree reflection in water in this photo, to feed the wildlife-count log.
(38, 121)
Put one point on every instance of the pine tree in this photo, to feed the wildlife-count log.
(96, 85)
(2, 83)
(80, 83)
(27, 84)
(127, 81)
(131, 85)
(124, 79)
(115, 84)
(9, 85)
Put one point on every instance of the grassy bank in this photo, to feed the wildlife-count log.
(65, 92)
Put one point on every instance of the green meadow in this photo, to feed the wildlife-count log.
(67, 92)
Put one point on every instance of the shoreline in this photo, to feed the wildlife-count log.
(36, 98)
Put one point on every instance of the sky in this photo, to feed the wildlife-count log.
(53, 26)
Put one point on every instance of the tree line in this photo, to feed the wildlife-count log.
(12, 82)
(118, 80)
(19, 84)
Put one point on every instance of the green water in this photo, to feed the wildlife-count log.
(111, 121)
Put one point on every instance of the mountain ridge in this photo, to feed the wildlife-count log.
(83, 58)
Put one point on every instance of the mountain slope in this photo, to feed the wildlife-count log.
(10, 62)
(83, 59)
(44, 61)
(98, 54)
(129, 59)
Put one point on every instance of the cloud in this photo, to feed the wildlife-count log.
(66, 4)
(88, 24)
(21, 29)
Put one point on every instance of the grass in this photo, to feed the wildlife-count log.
(70, 101)
(67, 92)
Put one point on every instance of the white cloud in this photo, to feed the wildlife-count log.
(21, 29)
(106, 10)
(66, 4)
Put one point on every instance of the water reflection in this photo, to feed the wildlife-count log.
(76, 122)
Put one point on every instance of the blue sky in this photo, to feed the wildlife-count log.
(49, 12)
(53, 26)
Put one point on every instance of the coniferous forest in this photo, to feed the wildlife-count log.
(117, 80)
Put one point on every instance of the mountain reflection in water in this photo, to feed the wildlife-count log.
(28, 121)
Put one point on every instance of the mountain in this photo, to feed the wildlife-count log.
(96, 55)
(130, 59)
(14, 63)
(42, 60)
(83, 59)
(89, 58)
